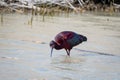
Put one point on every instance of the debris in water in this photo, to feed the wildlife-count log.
(15, 58)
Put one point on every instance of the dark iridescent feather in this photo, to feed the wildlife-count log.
(75, 40)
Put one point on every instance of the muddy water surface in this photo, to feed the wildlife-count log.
(25, 51)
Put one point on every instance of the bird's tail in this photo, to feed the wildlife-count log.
(84, 38)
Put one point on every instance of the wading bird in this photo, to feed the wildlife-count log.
(66, 40)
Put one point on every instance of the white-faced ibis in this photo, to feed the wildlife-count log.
(66, 40)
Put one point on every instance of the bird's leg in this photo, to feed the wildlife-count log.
(66, 46)
(68, 52)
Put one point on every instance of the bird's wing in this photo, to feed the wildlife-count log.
(67, 35)
(62, 38)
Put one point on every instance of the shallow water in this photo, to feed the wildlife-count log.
(25, 51)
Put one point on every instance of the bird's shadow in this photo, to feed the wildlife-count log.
(100, 53)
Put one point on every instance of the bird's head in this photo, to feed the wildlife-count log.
(53, 45)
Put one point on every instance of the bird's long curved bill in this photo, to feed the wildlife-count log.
(51, 52)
